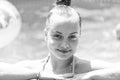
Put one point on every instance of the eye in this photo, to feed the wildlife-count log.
(57, 36)
(73, 37)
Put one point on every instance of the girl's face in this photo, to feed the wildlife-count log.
(62, 39)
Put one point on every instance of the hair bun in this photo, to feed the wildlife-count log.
(64, 2)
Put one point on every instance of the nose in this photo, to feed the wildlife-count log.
(65, 45)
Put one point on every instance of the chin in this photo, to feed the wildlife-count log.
(63, 57)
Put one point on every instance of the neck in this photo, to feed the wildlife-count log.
(59, 65)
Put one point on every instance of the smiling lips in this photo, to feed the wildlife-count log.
(63, 51)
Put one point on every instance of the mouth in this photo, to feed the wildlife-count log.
(63, 51)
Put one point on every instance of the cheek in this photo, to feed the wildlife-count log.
(75, 44)
(51, 43)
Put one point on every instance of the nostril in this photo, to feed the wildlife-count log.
(65, 46)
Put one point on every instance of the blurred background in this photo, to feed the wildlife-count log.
(98, 39)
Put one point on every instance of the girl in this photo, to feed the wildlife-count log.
(62, 34)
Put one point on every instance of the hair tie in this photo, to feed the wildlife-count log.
(64, 2)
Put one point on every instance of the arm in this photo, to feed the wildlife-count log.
(99, 64)
(26, 70)
(103, 74)
(101, 71)
(14, 72)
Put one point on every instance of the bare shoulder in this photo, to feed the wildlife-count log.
(4, 64)
(91, 65)
(31, 64)
(82, 66)
(100, 64)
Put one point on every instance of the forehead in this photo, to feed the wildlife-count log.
(66, 27)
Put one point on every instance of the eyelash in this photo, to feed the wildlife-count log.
(59, 37)
(73, 37)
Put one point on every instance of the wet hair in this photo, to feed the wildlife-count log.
(64, 2)
(62, 12)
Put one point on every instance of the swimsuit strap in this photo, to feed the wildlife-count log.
(45, 62)
(72, 65)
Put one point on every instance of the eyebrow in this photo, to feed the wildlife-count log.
(74, 33)
(58, 32)
(70, 33)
